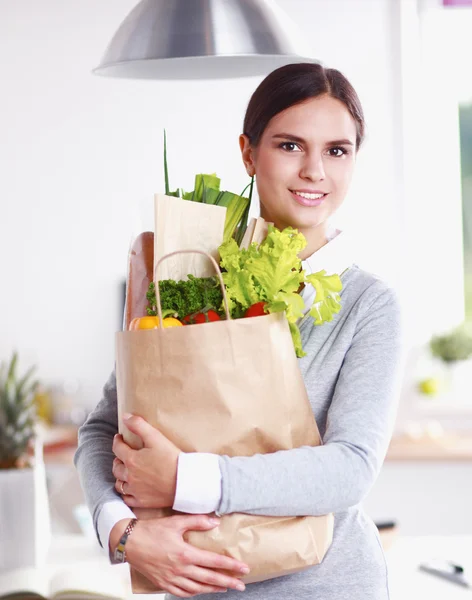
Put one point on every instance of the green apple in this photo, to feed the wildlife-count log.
(429, 386)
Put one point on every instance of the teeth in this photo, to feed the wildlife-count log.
(309, 196)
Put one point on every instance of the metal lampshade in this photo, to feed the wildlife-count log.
(202, 39)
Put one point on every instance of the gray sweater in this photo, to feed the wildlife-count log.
(352, 373)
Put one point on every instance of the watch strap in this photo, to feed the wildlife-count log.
(119, 554)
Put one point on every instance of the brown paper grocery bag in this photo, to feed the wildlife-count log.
(178, 224)
(256, 231)
(229, 387)
(182, 225)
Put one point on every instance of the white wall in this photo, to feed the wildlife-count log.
(81, 156)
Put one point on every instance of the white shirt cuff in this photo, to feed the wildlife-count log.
(108, 517)
(198, 489)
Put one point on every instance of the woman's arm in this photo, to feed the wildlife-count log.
(94, 460)
(339, 474)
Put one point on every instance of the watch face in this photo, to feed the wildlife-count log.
(118, 556)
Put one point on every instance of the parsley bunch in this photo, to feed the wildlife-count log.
(182, 298)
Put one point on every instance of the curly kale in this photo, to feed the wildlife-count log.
(182, 298)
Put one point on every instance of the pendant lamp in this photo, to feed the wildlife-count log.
(202, 39)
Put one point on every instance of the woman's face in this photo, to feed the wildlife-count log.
(307, 150)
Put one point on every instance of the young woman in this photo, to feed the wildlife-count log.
(303, 128)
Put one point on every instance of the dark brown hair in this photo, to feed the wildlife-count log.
(295, 83)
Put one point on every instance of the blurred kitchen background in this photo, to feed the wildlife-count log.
(81, 157)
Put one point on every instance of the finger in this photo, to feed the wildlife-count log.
(142, 429)
(131, 501)
(119, 470)
(119, 487)
(194, 587)
(176, 591)
(123, 488)
(195, 522)
(121, 449)
(212, 578)
(117, 461)
(204, 558)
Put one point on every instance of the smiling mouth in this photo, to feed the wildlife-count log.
(308, 195)
(307, 199)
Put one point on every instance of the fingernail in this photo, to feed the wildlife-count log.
(245, 570)
(127, 416)
(215, 521)
(241, 587)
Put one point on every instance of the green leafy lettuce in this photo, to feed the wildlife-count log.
(272, 272)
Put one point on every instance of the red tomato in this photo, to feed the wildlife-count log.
(202, 317)
(213, 316)
(256, 310)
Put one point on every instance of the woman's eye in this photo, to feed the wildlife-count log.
(289, 146)
(341, 151)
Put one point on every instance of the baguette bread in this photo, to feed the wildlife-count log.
(140, 274)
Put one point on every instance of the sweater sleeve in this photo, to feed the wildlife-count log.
(94, 456)
(338, 474)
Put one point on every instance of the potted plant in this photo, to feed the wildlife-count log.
(454, 349)
(23, 495)
(17, 415)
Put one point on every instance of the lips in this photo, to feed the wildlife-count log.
(304, 191)
(303, 201)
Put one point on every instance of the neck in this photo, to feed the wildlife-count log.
(316, 237)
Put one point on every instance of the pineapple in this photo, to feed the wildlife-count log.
(17, 414)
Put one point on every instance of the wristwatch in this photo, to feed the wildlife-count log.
(119, 554)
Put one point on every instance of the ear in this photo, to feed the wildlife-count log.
(247, 153)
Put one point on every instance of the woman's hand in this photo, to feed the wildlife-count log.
(157, 549)
(145, 478)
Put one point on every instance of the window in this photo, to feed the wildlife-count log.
(458, 22)
(465, 127)
(442, 86)
(446, 63)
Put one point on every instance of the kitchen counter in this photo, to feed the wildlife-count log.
(61, 442)
(449, 447)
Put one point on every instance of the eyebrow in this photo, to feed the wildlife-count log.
(296, 138)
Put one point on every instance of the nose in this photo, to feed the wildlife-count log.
(313, 168)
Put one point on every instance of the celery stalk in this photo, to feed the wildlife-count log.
(236, 207)
(239, 234)
(166, 174)
(203, 181)
(207, 191)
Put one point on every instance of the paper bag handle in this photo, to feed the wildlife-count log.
(218, 273)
